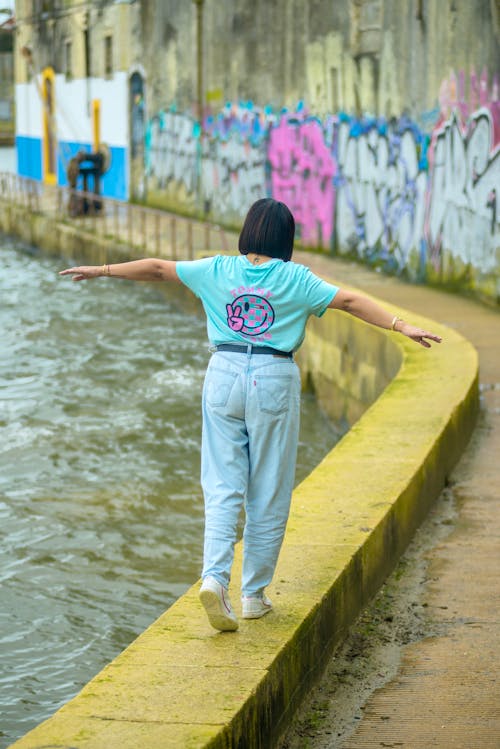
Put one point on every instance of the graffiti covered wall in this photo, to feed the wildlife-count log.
(219, 172)
(414, 200)
(463, 230)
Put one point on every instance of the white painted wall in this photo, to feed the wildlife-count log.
(73, 112)
(8, 159)
(28, 110)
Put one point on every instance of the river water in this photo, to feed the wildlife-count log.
(101, 516)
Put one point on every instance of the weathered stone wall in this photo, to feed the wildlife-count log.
(47, 32)
(376, 121)
(381, 57)
(378, 124)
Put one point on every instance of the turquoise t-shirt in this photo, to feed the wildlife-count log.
(267, 304)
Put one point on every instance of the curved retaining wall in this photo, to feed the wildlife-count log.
(181, 684)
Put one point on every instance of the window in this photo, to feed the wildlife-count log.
(86, 51)
(108, 56)
(366, 27)
(334, 88)
(68, 69)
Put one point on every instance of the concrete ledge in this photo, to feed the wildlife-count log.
(181, 684)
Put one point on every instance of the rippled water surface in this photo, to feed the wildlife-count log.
(101, 516)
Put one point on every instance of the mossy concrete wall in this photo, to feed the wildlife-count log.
(346, 382)
(181, 684)
(55, 237)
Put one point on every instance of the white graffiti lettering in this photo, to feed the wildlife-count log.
(233, 176)
(381, 188)
(172, 151)
(462, 218)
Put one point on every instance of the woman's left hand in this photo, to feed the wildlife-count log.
(83, 272)
(418, 334)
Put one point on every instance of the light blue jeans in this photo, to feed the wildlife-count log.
(251, 411)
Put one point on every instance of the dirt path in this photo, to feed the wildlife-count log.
(421, 667)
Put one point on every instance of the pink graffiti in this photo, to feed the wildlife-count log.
(453, 98)
(302, 177)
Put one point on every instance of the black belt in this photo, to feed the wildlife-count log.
(251, 349)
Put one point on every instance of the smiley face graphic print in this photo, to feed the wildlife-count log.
(250, 314)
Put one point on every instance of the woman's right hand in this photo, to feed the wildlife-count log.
(417, 334)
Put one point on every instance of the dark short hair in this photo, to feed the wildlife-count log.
(269, 229)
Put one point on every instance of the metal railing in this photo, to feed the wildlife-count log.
(152, 231)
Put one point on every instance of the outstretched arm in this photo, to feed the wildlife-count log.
(148, 269)
(369, 311)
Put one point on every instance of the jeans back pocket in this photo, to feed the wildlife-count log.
(218, 386)
(274, 393)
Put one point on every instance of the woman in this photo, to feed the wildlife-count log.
(257, 305)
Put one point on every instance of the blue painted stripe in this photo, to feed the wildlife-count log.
(114, 183)
(29, 157)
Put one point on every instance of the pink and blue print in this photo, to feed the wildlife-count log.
(250, 314)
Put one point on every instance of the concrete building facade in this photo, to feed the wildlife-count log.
(376, 121)
(6, 79)
(72, 73)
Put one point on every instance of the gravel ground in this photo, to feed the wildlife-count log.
(371, 655)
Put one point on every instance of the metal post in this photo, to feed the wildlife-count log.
(157, 233)
(222, 235)
(104, 213)
(173, 238)
(143, 228)
(93, 212)
(190, 240)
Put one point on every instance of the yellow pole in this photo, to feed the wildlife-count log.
(96, 124)
(49, 130)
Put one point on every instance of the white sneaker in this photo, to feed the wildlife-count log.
(254, 608)
(215, 600)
